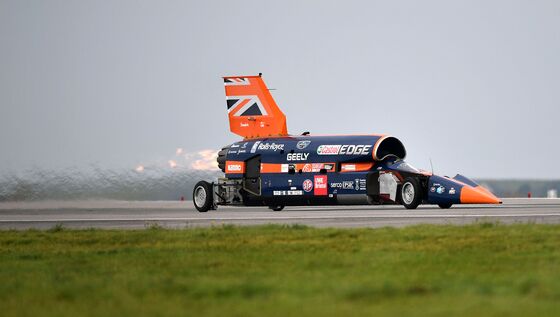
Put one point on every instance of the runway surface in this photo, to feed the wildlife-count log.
(129, 215)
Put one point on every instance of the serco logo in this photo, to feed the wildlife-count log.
(346, 149)
(307, 185)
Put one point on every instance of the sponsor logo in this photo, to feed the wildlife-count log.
(297, 156)
(348, 185)
(437, 188)
(234, 168)
(307, 185)
(354, 149)
(337, 149)
(234, 145)
(284, 168)
(349, 167)
(316, 167)
(287, 193)
(343, 185)
(244, 125)
(328, 149)
(244, 145)
(302, 144)
(320, 185)
(360, 184)
(271, 146)
(452, 191)
(255, 146)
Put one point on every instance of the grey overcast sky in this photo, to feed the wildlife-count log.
(473, 85)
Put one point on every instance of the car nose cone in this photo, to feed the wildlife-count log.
(478, 195)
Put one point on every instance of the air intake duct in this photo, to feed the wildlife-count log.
(222, 158)
(388, 146)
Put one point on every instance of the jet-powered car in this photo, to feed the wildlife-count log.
(271, 168)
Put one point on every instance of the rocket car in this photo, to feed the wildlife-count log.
(270, 167)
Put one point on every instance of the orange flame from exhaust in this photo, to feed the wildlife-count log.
(206, 161)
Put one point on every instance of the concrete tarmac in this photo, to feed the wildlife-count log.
(140, 214)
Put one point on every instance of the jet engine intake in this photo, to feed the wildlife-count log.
(388, 146)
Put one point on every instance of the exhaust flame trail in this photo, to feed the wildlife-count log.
(164, 178)
(156, 182)
(206, 161)
(203, 160)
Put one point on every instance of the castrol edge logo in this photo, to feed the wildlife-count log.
(338, 149)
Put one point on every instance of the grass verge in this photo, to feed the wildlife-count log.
(482, 269)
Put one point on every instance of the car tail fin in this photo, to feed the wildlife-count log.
(252, 111)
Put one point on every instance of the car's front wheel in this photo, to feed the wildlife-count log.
(411, 193)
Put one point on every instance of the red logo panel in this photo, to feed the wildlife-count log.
(320, 185)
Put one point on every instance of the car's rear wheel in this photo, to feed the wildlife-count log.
(411, 193)
(202, 196)
(445, 206)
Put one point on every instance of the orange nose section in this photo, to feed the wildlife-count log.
(478, 195)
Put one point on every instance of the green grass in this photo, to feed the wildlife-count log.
(482, 269)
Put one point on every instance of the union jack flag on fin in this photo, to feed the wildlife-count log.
(245, 106)
(251, 109)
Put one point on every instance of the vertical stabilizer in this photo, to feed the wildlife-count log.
(252, 111)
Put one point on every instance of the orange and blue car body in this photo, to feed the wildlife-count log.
(270, 167)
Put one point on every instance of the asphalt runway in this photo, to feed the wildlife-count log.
(133, 215)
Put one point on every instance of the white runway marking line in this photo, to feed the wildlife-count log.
(285, 218)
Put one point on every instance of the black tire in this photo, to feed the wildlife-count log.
(202, 196)
(445, 206)
(276, 207)
(410, 194)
